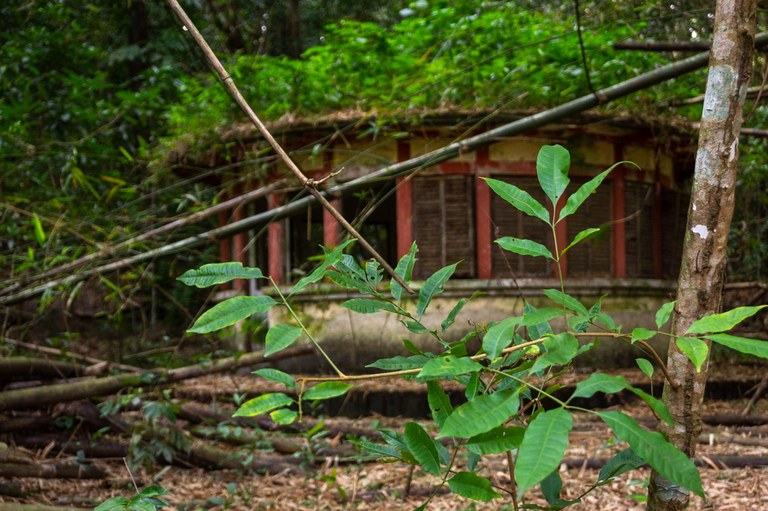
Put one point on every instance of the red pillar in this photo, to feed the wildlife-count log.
(238, 249)
(224, 255)
(618, 213)
(404, 204)
(331, 225)
(483, 228)
(275, 236)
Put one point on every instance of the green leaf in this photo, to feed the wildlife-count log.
(543, 447)
(448, 321)
(404, 270)
(280, 337)
(560, 350)
(663, 314)
(113, 504)
(347, 281)
(447, 366)
(539, 316)
(714, 323)
(496, 441)
(378, 449)
(368, 306)
(654, 404)
(423, 448)
(520, 199)
(319, 272)
(482, 414)
(581, 236)
(37, 225)
(756, 347)
(472, 486)
(566, 301)
(499, 336)
(326, 390)
(645, 366)
(212, 274)
(552, 165)
(399, 363)
(263, 404)
(432, 286)
(439, 403)
(579, 196)
(231, 311)
(642, 334)
(276, 376)
(524, 247)
(283, 416)
(536, 331)
(695, 349)
(599, 382)
(551, 486)
(622, 462)
(654, 449)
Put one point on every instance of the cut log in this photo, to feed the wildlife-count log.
(51, 471)
(93, 387)
(89, 448)
(27, 368)
(18, 506)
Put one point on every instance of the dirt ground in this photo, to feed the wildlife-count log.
(342, 484)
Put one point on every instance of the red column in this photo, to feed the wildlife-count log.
(275, 238)
(404, 200)
(224, 255)
(331, 225)
(404, 204)
(238, 249)
(483, 228)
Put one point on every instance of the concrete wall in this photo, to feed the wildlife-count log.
(354, 340)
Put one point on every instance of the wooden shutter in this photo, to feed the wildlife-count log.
(507, 221)
(638, 200)
(443, 224)
(674, 210)
(594, 256)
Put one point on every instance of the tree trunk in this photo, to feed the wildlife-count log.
(701, 278)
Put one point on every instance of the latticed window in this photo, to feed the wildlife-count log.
(444, 224)
(508, 221)
(594, 256)
(674, 208)
(638, 209)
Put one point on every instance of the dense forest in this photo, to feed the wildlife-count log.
(100, 103)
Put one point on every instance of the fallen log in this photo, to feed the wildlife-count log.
(28, 368)
(18, 506)
(68, 354)
(93, 387)
(89, 448)
(51, 470)
(10, 489)
(724, 419)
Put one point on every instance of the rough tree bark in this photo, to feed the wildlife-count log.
(701, 278)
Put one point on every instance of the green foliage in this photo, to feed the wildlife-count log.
(146, 500)
(520, 357)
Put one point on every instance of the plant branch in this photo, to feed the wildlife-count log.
(307, 183)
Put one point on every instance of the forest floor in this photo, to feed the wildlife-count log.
(339, 482)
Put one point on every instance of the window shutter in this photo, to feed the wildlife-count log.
(674, 207)
(507, 221)
(639, 229)
(443, 224)
(594, 256)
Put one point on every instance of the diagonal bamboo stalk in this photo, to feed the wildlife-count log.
(307, 183)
